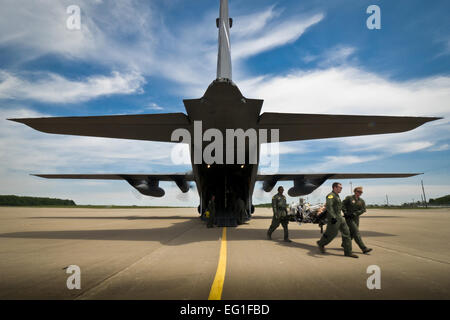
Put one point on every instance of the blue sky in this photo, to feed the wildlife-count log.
(135, 57)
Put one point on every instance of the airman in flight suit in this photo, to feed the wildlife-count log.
(335, 223)
(280, 215)
(354, 206)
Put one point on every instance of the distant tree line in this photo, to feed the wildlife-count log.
(445, 200)
(9, 200)
(263, 205)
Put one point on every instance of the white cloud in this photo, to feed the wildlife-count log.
(337, 56)
(154, 106)
(397, 143)
(332, 57)
(333, 162)
(278, 35)
(151, 47)
(41, 29)
(442, 147)
(445, 43)
(271, 149)
(50, 87)
(247, 25)
(24, 151)
(350, 90)
(197, 44)
(309, 58)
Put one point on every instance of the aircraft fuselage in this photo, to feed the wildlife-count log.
(224, 107)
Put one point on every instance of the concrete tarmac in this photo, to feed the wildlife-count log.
(170, 254)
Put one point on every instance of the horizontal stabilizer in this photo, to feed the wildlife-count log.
(297, 126)
(152, 127)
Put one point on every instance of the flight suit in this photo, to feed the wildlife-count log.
(279, 207)
(241, 213)
(352, 209)
(335, 223)
(212, 213)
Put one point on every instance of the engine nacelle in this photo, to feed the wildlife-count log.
(302, 188)
(182, 184)
(269, 184)
(148, 188)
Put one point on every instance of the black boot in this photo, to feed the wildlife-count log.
(321, 248)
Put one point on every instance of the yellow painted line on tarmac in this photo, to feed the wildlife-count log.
(217, 286)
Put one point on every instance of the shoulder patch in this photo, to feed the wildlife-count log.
(330, 196)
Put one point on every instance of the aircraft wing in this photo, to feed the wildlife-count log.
(119, 176)
(298, 126)
(154, 127)
(293, 176)
(146, 184)
(306, 183)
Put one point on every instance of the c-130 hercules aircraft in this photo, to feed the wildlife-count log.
(224, 107)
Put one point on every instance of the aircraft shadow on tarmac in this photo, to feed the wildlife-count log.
(121, 218)
(134, 217)
(178, 233)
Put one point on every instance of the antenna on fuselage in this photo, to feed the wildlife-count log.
(224, 23)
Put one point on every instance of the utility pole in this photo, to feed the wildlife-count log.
(387, 200)
(424, 198)
(351, 187)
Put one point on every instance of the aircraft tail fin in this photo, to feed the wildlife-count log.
(224, 55)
